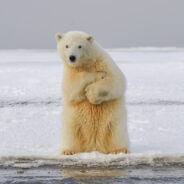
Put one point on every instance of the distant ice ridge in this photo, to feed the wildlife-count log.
(92, 160)
(147, 49)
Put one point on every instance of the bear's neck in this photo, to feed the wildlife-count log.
(94, 67)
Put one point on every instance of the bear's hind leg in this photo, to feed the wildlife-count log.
(68, 143)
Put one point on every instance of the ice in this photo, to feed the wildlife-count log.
(31, 104)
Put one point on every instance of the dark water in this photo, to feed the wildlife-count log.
(136, 175)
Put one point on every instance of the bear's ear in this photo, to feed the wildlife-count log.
(58, 36)
(90, 39)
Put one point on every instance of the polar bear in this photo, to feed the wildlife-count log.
(93, 90)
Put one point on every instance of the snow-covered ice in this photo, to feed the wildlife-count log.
(31, 104)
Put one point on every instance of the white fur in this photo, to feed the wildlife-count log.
(91, 83)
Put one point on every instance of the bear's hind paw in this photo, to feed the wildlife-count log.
(68, 152)
(123, 150)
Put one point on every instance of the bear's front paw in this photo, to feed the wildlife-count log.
(93, 94)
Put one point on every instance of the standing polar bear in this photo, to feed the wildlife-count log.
(94, 113)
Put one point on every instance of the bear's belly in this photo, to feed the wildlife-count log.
(95, 113)
(94, 124)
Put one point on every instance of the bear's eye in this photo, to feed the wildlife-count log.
(79, 46)
(66, 46)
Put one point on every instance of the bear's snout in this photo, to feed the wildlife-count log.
(72, 58)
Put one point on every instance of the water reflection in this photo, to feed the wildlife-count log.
(94, 175)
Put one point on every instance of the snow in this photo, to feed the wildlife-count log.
(31, 104)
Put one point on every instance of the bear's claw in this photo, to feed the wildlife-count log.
(68, 152)
(123, 150)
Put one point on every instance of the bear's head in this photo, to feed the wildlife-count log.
(75, 48)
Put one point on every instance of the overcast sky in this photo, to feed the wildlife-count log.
(32, 24)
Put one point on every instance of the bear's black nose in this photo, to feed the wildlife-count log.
(72, 58)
